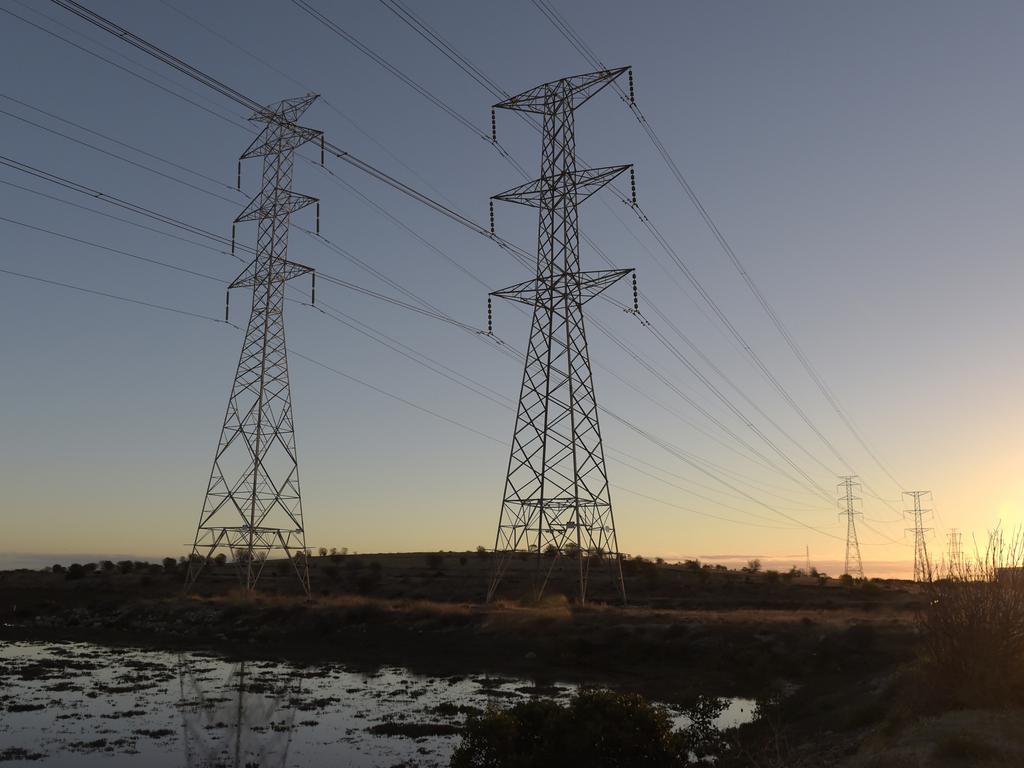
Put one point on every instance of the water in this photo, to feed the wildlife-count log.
(87, 705)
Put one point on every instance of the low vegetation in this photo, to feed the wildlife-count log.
(598, 729)
(972, 626)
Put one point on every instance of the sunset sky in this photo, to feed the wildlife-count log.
(862, 159)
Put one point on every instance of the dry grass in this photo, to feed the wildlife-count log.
(973, 625)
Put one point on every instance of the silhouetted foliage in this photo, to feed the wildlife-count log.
(220, 559)
(58, 568)
(973, 625)
(597, 729)
(75, 571)
(170, 564)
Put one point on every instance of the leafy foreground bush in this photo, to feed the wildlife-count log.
(597, 729)
(973, 626)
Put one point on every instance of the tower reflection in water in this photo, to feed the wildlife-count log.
(242, 720)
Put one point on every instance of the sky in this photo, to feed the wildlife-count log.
(860, 158)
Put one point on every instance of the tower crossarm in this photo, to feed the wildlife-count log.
(585, 285)
(280, 202)
(289, 269)
(579, 87)
(545, 191)
(286, 111)
(277, 136)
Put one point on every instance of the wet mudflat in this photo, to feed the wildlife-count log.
(89, 705)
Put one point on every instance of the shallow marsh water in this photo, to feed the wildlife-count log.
(88, 705)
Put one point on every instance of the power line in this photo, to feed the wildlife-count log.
(475, 73)
(122, 158)
(115, 296)
(181, 66)
(566, 30)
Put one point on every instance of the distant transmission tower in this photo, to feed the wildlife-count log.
(849, 508)
(954, 550)
(556, 500)
(922, 567)
(253, 506)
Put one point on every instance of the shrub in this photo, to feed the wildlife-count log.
(75, 571)
(125, 566)
(973, 625)
(107, 566)
(771, 577)
(220, 559)
(58, 568)
(754, 565)
(481, 551)
(846, 580)
(170, 564)
(597, 729)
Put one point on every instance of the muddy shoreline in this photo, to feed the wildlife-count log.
(670, 655)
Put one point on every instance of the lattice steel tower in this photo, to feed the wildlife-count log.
(849, 506)
(922, 566)
(556, 497)
(253, 506)
(954, 551)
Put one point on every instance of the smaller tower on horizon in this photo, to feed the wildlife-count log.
(922, 566)
(954, 550)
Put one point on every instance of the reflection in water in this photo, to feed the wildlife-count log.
(243, 722)
(94, 707)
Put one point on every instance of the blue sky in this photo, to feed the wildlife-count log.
(860, 158)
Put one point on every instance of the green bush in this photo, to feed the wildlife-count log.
(597, 729)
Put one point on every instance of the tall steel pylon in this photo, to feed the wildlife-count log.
(922, 566)
(849, 508)
(253, 506)
(556, 500)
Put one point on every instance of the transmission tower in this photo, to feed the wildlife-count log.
(922, 567)
(253, 506)
(849, 506)
(556, 500)
(954, 550)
